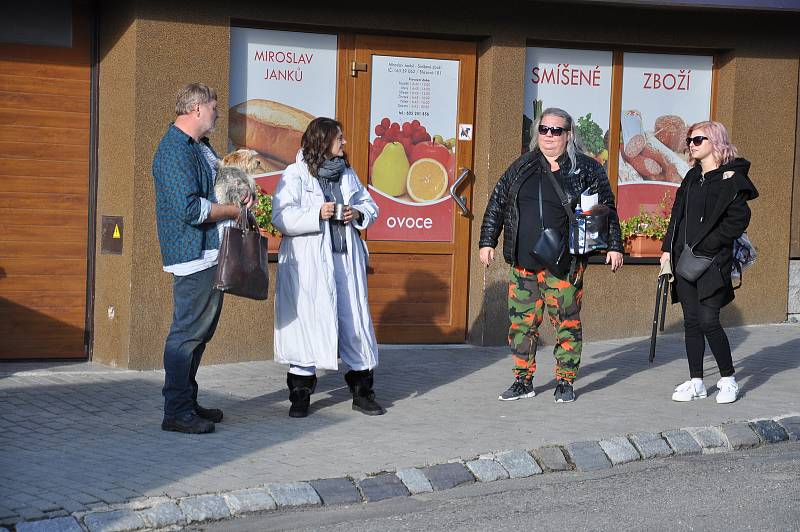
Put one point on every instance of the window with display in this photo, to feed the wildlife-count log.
(632, 111)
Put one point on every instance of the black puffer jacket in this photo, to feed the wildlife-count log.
(723, 223)
(502, 212)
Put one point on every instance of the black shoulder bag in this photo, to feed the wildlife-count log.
(552, 248)
(690, 266)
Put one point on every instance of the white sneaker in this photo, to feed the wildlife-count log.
(689, 391)
(728, 390)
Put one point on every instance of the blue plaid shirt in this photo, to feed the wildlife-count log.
(182, 179)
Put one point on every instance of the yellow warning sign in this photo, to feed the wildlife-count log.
(116, 232)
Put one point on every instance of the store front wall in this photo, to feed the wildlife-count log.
(140, 73)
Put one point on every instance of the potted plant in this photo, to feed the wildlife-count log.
(263, 213)
(644, 233)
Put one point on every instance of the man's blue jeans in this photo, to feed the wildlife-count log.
(196, 309)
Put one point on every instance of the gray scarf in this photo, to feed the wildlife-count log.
(329, 174)
(332, 169)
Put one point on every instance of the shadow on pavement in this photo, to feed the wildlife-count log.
(756, 369)
(77, 438)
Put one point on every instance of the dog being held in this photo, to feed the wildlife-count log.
(234, 184)
(243, 158)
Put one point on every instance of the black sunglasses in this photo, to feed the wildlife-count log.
(556, 131)
(698, 140)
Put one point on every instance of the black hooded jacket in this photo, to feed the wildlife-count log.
(719, 224)
(502, 211)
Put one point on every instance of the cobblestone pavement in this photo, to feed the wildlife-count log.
(77, 437)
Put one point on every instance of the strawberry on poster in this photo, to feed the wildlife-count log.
(412, 153)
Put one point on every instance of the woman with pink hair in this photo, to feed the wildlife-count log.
(709, 214)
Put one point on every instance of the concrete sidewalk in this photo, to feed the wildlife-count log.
(78, 437)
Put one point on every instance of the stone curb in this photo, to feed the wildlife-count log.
(769, 430)
(593, 455)
(682, 443)
(650, 445)
(711, 439)
(587, 456)
(791, 424)
(619, 450)
(740, 435)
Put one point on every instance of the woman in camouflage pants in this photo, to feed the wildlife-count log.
(522, 204)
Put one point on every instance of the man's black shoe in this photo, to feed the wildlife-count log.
(211, 414)
(191, 424)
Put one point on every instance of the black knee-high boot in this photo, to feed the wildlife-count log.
(300, 389)
(360, 384)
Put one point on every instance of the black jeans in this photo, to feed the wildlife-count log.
(701, 322)
(196, 309)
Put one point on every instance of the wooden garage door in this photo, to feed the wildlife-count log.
(44, 191)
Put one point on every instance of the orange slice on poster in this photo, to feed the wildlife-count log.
(427, 180)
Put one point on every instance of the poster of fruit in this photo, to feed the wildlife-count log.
(578, 81)
(661, 96)
(412, 153)
(279, 82)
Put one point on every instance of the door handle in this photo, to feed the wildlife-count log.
(461, 201)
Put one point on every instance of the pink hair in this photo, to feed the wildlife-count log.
(721, 147)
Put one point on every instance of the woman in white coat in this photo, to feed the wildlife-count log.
(321, 307)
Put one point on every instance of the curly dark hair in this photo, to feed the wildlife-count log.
(317, 141)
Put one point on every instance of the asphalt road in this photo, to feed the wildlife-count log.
(745, 490)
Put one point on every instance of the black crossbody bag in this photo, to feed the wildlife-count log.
(552, 247)
(690, 266)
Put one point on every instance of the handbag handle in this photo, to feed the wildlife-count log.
(541, 215)
(246, 220)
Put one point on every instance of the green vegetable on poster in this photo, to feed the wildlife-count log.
(537, 108)
(591, 134)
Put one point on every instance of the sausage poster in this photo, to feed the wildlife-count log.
(661, 96)
(412, 153)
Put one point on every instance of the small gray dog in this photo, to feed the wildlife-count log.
(233, 186)
(234, 183)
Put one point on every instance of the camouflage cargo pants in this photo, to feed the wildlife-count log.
(530, 293)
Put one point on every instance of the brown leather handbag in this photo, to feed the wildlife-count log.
(242, 269)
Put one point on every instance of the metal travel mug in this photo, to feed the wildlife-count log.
(338, 212)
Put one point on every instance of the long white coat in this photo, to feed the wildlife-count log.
(306, 323)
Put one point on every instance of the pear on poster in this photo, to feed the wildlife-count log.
(390, 170)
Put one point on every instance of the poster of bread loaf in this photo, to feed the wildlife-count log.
(578, 81)
(279, 82)
(662, 95)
